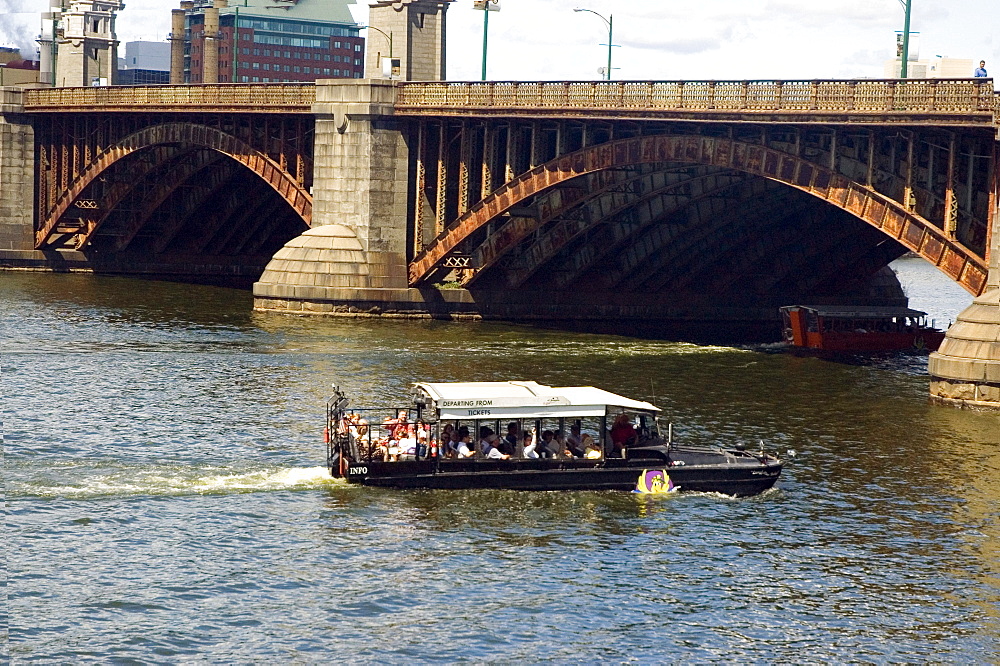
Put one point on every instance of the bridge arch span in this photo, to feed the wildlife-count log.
(911, 230)
(184, 134)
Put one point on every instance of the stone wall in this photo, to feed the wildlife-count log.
(17, 174)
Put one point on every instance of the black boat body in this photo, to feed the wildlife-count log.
(730, 472)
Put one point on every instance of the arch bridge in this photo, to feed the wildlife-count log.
(738, 190)
(172, 175)
(627, 199)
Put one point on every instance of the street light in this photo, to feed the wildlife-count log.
(610, 21)
(906, 37)
(381, 32)
(486, 6)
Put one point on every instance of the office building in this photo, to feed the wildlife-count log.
(277, 41)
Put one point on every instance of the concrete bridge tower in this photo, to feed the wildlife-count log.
(87, 47)
(418, 29)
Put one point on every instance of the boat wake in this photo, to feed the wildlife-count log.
(172, 481)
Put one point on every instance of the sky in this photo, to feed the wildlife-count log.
(657, 39)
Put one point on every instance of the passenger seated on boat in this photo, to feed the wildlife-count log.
(407, 444)
(485, 433)
(548, 447)
(574, 443)
(509, 442)
(622, 434)
(465, 449)
(389, 448)
(397, 426)
(447, 432)
(456, 439)
(423, 433)
(530, 440)
(591, 449)
(492, 450)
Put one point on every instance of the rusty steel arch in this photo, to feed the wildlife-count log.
(186, 134)
(912, 231)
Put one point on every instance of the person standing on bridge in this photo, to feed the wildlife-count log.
(981, 72)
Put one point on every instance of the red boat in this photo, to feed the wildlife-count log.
(859, 328)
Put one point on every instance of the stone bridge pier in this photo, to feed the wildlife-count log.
(17, 172)
(965, 371)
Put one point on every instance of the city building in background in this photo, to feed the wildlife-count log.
(144, 64)
(15, 71)
(78, 45)
(277, 41)
(938, 67)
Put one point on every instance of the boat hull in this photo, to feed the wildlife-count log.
(740, 480)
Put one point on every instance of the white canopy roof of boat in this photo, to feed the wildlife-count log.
(467, 400)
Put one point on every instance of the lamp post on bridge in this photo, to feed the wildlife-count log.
(486, 6)
(610, 20)
(382, 32)
(903, 72)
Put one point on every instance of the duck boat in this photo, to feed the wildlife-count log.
(859, 329)
(613, 443)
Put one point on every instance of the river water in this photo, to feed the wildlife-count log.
(166, 499)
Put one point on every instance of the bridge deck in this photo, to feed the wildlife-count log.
(224, 98)
(891, 101)
(938, 101)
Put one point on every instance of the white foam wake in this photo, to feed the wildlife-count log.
(174, 481)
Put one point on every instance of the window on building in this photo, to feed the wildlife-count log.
(267, 52)
(267, 80)
(326, 56)
(357, 75)
(297, 55)
(307, 70)
(326, 70)
(296, 69)
(256, 52)
(246, 79)
(246, 51)
(357, 48)
(357, 63)
(288, 54)
(256, 79)
(267, 67)
(336, 45)
(336, 72)
(246, 37)
(337, 58)
(256, 65)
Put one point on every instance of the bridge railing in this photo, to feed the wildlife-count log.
(273, 97)
(949, 96)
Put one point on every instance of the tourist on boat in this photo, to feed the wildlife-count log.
(548, 447)
(464, 449)
(591, 449)
(574, 443)
(509, 442)
(446, 431)
(530, 440)
(492, 450)
(622, 433)
(456, 438)
(485, 433)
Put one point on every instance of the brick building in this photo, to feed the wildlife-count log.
(278, 41)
